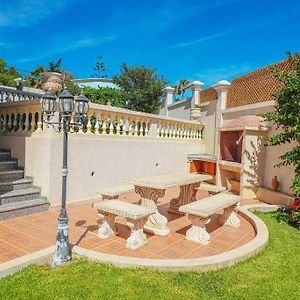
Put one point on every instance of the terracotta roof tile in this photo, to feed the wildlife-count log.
(208, 94)
(254, 87)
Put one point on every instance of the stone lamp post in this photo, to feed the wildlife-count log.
(67, 106)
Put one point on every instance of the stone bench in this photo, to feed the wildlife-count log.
(211, 189)
(135, 215)
(115, 191)
(200, 211)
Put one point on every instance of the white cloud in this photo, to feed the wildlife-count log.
(56, 46)
(5, 45)
(198, 41)
(212, 76)
(18, 13)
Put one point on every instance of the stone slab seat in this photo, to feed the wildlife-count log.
(135, 215)
(115, 191)
(200, 211)
(211, 189)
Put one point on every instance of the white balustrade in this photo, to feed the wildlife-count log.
(18, 117)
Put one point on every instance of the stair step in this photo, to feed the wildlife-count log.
(8, 165)
(5, 151)
(19, 195)
(14, 185)
(11, 175)
(4, 156)
(13, 210)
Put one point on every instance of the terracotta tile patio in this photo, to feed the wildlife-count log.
(28, 234)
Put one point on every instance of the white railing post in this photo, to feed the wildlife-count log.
(196, 87)
(169, 92)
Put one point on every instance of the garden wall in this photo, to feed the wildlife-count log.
(96, 161)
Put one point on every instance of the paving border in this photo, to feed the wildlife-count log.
(17, 264)
(195, 264)
(200, 264)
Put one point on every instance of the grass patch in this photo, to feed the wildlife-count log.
(272, 274)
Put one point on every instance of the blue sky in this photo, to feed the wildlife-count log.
(195, 40)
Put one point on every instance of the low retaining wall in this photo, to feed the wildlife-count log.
(95, 161)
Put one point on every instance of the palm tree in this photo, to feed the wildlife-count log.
(34, 79)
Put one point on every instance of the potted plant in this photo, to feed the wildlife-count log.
(52, 78)
(196, 113)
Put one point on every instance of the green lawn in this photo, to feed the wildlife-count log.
(272, 274)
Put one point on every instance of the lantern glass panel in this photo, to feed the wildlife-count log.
(81, 105)
(48, 103)
(66, 105)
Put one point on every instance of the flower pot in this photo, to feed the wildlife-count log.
(52, 81)
(275, 184)
(196, 114)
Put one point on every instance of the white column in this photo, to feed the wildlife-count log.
(221, 88)
(196, 87)
(169, 91)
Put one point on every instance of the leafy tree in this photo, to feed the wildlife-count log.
(102, 95)
(142, 88)
(286, 117)
(7, 75)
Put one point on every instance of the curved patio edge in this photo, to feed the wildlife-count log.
(200, 264)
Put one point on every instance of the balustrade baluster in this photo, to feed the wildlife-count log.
(167, 131)
(104, 125)
(26, 122)
(130, 128)
(111, 125)
(174, 134)
(89, 124)
(162, 131)
(20, 122)
(146, 128)
(136, 127)
(39, 124)
(14, 122)
(158, 129)
(195, 133)
(118, 127)
(171, 131)
(97, 124)
(190, 133)
(4, 123)
(124, 125)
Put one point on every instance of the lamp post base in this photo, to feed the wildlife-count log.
(62, 247)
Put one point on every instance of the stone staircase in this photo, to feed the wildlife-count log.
(17, 195)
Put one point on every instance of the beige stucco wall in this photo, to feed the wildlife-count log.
(271, 154)
(111, 159)
(284, 174)
(179, 109)
(209, 119)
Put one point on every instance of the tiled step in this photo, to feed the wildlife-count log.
(13, 210)
(20, 195)
(20, 184)
(4, 155)
(11, 175)
(8, 165)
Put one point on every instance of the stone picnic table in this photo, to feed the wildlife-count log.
(153, 187)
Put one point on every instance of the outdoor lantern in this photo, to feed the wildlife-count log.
(81, 105)
(48, 103)
(66, 102)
